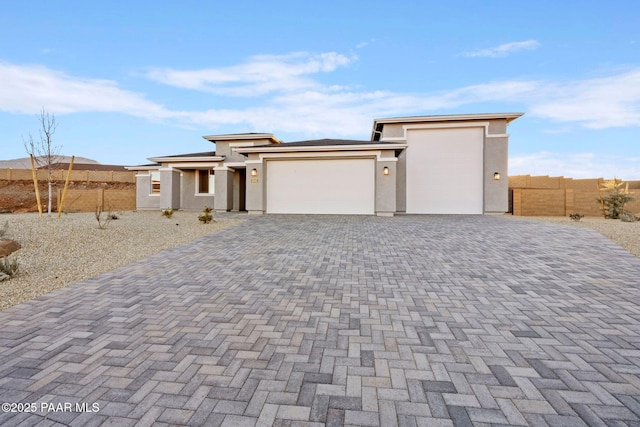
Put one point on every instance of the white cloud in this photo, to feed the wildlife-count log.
(260, 75)
(597, 103)
(295, 100)
(365, 44)
(575, 165)
(504, 49)
(29, 88)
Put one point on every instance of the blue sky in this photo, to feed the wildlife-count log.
(131, 80)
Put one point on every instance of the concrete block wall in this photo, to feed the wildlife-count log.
(76, 175)
(538, 202)
(119, 200)
(107, 199)
(560, 196)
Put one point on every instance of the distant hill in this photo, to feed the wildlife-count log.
(25, 162)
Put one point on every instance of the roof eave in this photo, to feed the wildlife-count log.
(306, 148)
(242, 137)
(509, 117)
(186, 159)
(143, 167)
(450, 117)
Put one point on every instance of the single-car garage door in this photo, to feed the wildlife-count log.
(444, 171)
(344, 186)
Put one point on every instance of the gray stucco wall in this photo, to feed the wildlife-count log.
(496, 193)
(223, 149)
(224, 189)
(239, 183)
(401, 182)
(169, 188)
(255, 197)
(145, 200)
(386, 186)
(393, 130)
(497, 127)
(189, 199)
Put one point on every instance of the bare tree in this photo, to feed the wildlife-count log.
(43, 151)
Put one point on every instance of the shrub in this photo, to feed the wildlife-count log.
(167, 213)
(576, 216)
(614, 200)
(205, 217)
(8, 269)
(628, 217)
(102, 222)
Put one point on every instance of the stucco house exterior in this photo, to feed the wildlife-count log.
(447, 164)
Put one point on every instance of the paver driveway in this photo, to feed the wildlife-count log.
(296, 320)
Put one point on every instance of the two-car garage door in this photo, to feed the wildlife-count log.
(340, 186)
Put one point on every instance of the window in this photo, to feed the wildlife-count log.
(155, 182)
(206, 182)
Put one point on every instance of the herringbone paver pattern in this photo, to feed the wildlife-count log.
(338, 320)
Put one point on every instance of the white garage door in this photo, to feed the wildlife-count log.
(444, 171)
(345, 186)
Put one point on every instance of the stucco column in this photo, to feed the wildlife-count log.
(144, 199)
(386, 176)
(496, 191)
(223, 199)
(255, 197)
(169, 188)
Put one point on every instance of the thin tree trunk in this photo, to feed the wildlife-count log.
(49, 205)
(50, 190)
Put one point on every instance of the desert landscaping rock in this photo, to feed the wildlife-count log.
(57, 252)
(626, 234)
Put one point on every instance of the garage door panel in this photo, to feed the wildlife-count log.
(444, 171)
(345, 186)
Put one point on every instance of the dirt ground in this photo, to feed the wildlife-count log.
(20, 197)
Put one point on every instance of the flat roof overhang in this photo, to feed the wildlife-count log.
(282, 148)
(143, 167)
(243, 137)
(378, 123)
(177, 159)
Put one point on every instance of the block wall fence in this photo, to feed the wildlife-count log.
(107, 199)
(85, 176)
(560, 196)
(82, 200)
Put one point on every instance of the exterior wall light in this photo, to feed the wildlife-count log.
(385, 171)
(496, 176)
(254, 172)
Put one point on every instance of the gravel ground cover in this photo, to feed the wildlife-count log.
(57, 252)
(626, 234)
